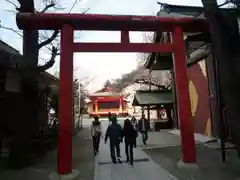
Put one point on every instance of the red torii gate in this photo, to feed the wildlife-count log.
(67, 23)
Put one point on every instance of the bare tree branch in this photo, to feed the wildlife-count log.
(74, 4)
(13, 4)
(87, 80)
(49, 40)
(225, 3)
(11, 11)
(51, 62)
(147, 38)
(11, 29)
(48, 7)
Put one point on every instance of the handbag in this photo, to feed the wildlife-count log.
(96, 133)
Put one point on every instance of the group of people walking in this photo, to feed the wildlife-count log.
(116, 133)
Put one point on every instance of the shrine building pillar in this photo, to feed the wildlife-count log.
(96, 106)
(120, 105)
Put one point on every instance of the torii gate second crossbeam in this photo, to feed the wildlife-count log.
(67, 23)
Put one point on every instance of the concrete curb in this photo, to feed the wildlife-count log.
(159, 146)
(197, 136)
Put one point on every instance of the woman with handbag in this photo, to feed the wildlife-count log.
(134, 122)
(96, 133)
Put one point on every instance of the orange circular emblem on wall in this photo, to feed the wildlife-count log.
(193, 97)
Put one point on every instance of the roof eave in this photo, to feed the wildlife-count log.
(151, 56)
(196, 10)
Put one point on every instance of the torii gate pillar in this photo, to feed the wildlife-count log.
(182, 90)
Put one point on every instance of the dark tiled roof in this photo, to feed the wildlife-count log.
(142, 98)
(191, 10)
(168, 10)
(8, 49)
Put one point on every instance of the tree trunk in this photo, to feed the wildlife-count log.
(225, 39)
(21, 147)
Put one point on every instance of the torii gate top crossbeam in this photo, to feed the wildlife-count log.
(52, 21)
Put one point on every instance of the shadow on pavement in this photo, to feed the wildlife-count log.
(83, 160)
(208, 161)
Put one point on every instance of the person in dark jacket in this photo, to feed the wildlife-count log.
(129, 134)
(114, 133)
(134, 122)
(143, 127)
(109, 118)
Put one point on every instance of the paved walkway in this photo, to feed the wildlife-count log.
(144, 168)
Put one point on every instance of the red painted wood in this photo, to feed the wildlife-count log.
(49, 21)
(104, 97)
(200, 82)
(95, 97)
(65, 103)
(183, 99)
(122, 47)
(108, 100)
(96, 105)
(125, 37)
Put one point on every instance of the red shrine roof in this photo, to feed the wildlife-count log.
(105, 91)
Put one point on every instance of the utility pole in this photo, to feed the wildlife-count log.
(150, 88)
(73, 104)
(80, 118)
(79, 105)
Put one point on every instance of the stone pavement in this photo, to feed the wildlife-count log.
(210, 166)
(165, 149)
(144, 168)
(160, 139)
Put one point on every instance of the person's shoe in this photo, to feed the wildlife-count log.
(131, 163)
(119, 161)
(114, 162)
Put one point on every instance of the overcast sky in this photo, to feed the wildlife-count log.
(101, 65)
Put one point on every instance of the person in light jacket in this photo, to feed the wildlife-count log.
(96, 133)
